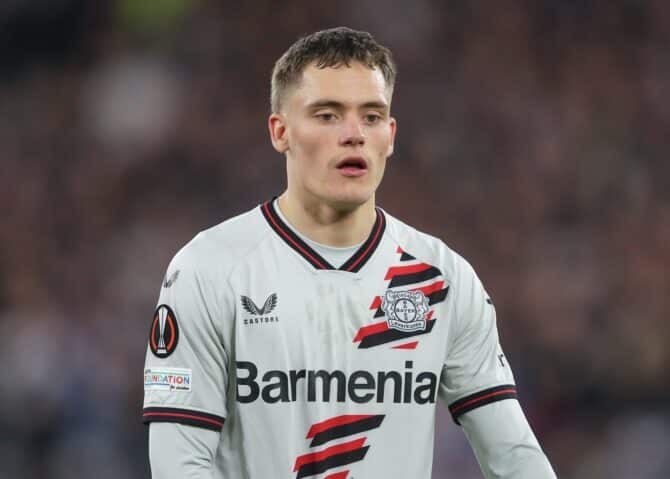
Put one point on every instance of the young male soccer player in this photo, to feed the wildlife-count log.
(312, 336)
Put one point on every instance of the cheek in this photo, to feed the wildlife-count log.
(310, 154)
(381, 145)
(381, 167)
(305, 142)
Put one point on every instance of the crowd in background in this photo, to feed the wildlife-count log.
(533, 138)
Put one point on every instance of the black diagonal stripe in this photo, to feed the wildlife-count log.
(406, 257)
(392, 335)
(367, 249)
(438, 296)
(404, 279)
(433, 298)
(343, 430)
(481, 398)
(291, 239)
(337, 460)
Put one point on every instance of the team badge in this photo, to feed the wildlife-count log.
(164, 332)
(405, 310)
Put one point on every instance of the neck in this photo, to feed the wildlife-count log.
(327, 224)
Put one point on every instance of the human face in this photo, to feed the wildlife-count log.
(337, 132)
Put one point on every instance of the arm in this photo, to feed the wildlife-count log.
(478, 385)
(177, 451)
(186, 369)
(504, 443)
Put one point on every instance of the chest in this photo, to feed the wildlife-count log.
(332, 320)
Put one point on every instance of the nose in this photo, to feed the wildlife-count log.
(352, 132)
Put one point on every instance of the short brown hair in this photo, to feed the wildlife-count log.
(329, 48)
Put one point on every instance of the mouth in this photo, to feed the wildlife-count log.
(352, 166)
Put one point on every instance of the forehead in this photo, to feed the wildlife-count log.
(353, 84)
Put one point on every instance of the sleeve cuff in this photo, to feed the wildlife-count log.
(481, 398)
(183, 416)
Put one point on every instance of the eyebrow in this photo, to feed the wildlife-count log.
(339, 105)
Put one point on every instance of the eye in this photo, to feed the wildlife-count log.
(372, 118)
(325, 117)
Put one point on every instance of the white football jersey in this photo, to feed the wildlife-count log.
(314, 371)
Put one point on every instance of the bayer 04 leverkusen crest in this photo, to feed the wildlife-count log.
(405, 310)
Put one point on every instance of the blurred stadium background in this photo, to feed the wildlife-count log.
(533, 138)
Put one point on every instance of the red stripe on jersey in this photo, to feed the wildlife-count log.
(335, 421)
(400, 270)
(431, 288)
(329, 452)
(371, 329)
(338, 475)
(455, 410)
(411, 345)
(185, 416)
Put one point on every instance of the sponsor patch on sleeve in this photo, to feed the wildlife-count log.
(167, 379)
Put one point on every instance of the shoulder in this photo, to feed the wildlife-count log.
(466, 290)
(428, 248)
(217, 250)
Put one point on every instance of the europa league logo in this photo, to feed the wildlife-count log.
(164, 332)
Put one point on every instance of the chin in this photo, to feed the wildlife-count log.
(349, 201)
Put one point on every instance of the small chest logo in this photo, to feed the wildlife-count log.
(405, 310)
(262, 314)
(251, 308)
(170, 280)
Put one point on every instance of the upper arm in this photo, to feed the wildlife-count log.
(478, 385)
(186, 366)
(474, 372)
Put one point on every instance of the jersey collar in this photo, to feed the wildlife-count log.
(352, 265)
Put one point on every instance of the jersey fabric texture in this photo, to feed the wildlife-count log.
(314, 371)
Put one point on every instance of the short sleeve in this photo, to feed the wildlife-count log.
(475, 371)
(186, 366)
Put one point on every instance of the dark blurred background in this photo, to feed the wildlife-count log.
(533, 138)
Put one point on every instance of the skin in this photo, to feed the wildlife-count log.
(330, 115)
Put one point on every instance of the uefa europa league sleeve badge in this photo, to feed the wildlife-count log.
(164, 332)
(405, 310)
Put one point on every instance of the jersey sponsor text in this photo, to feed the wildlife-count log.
(360, 386)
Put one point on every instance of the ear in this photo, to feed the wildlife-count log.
(393, 126)
(277, 128)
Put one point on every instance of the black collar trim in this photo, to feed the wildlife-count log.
(352, 265)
